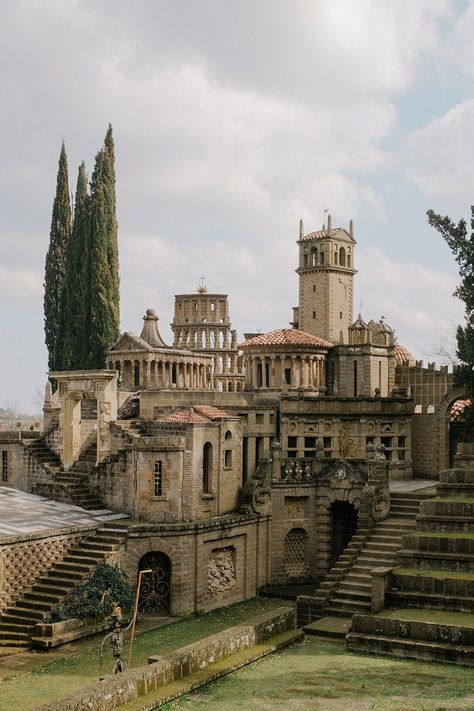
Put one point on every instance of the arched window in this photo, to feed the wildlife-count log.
(228, 436)
(207, 468)
(314, 257)
(342, 257)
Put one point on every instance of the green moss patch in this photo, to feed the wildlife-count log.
(439, 574)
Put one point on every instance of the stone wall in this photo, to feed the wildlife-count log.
(163, 670)
(23, 559)
(212, 563)
(14, 475)
(430, 445)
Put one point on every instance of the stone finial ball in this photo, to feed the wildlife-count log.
(150, 312)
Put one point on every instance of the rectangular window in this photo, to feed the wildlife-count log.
(158, 478)
(243, 415)
(259, 418)
(5, 465)
(272, 418)
(340, 314)
(292, 442)
(327, 447)
(314, 314)
(401, 442)
(288, 376)
(227, 458)
(387, 443)
(314, 288)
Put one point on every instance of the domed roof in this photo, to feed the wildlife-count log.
(403, 356)
(287, 337)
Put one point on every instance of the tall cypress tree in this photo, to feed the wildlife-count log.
(55, 264)
(74, 305)
(104, 315)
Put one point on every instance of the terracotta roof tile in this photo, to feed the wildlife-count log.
(286, 337)
(319, 234)
(197, 415)
(186, 417)
(457, 409)
(403, 356)
(213, 413)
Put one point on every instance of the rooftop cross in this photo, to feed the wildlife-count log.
(202, 288)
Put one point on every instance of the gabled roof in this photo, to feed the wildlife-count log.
(286, 337)
(137, 343)
(322, 234)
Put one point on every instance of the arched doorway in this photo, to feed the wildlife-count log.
(343, 527)
(155, 591)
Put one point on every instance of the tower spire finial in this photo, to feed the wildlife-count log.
(301, 229)
(351, 228)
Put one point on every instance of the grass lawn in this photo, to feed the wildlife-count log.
(314, 675)
(29, 689)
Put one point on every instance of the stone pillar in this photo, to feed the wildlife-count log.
(147, 374)
(71, 428)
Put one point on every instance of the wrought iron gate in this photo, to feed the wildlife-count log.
(155, 592)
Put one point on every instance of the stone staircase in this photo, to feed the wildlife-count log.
(17, 622)
(354, 592)
(347, 588)
(430, 597)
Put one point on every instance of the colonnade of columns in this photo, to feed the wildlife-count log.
(205, 337)
(164, 373)
(278, 371)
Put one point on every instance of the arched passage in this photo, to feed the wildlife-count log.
(155, 591)
(343, 527)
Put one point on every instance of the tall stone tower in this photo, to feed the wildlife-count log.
(326, 272)
(201, 323)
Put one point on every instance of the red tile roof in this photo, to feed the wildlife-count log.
(286, 337)
(320, 234)
(213, 413)
(197, 415)
(403, 356)
(457, 408)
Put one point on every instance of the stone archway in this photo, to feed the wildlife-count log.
(455, 430)
(155, 591)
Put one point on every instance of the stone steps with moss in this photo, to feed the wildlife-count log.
(421, 634)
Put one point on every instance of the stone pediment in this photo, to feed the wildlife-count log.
(129, 342)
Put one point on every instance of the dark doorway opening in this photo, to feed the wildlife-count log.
(155, 591)
(344, 526)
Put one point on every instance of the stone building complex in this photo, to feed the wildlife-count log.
(243, 463)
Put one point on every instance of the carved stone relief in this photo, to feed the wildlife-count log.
(221, 575)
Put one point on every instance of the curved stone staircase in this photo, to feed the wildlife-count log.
(17, 622)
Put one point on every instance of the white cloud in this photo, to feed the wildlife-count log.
(436, 158)
(416, 300)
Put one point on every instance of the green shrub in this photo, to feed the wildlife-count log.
(89, 600)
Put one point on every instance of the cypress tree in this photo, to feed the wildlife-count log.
(74, 305)
(60, 233)
(104, 316)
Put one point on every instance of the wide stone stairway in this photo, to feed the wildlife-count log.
(430, 594)
(17, 622)
(354, 593)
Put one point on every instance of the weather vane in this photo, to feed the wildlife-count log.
(202, 288)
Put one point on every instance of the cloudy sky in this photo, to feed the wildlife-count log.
(232, 120)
